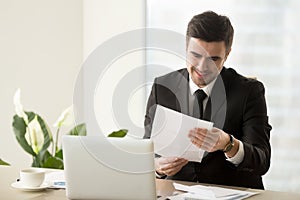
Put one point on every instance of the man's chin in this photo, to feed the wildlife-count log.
(200, 83)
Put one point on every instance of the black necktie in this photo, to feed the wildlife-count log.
(198, 112)
(200, 95)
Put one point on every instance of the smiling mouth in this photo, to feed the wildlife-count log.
(199, 73)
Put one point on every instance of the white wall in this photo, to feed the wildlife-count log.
(41, 53)
(102, 21)
(42, 47)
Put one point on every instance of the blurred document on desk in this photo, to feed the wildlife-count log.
(56, 179)
(209, 192)
(170, 134)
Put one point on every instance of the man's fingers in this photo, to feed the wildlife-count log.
(204, 133)
(203, 138)
(198, 133)
(175, 169)
(173, 164)
(168, 160)
(204, 143)
(178, 162)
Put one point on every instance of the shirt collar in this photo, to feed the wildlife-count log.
(207, 89)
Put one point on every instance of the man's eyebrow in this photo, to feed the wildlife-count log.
(211, 57)
(195, 53)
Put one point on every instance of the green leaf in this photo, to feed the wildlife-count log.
(19, 128)
(78, 130)
(54, 162)
(46, 133)
(30, 116)
(41, 158)
(35, 162)
(45, 160)
(120, 133)
(59, 154)
(3, 162)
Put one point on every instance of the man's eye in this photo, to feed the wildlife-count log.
(197, 56)
(214, 58)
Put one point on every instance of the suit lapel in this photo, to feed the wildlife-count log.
(218, 100)
(218, 96)
(182, 93)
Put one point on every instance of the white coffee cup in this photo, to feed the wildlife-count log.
(32, 177)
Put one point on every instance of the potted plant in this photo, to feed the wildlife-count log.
(36, 138)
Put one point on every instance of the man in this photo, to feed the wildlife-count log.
(238, 147)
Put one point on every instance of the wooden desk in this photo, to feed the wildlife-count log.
(166, 188)
(9, 175)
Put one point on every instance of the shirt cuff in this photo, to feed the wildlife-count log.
(239, 156)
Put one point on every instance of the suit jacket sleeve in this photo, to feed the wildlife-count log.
(256, 131)
(150, 111)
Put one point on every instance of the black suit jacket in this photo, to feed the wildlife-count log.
(238, 108)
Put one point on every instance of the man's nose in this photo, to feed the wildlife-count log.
(202, 64)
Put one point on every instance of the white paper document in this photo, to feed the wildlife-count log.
(208, 192)
(56, 179)
(170, 134)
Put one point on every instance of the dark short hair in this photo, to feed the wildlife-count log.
(211, 27)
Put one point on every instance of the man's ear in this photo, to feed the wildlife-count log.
(227, 53)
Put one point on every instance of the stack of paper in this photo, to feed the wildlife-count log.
(208, 192)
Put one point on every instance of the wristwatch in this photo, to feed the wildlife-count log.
(160, 176)
(230, 144)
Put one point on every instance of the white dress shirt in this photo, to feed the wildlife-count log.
(239, 156)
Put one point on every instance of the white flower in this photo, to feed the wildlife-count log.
(66, 118)
(34, 135)
(19, 107)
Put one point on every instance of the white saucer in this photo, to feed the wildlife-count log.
(18, 185)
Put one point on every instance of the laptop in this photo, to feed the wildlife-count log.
(99, 167)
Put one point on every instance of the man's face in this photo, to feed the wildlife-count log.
(205, 60)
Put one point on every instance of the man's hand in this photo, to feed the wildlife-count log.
(210, 141)
(169, 166)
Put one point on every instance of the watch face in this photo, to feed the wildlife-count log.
(229, 146)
